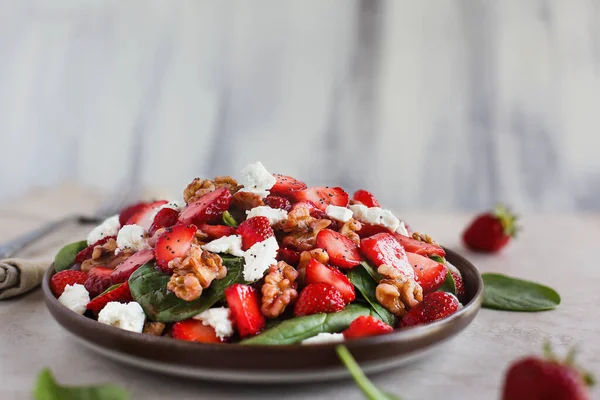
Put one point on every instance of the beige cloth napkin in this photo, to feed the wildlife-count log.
(18, 276)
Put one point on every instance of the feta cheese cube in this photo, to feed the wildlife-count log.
(375, 216)
(109, 227)
(226, 244)
(259, 258)
(128, 316)
(256, 179)
(75, 298)
(132, 237)
(342, 214)
(402, 229)
(275, 215)
(219, 319)
(325, 337)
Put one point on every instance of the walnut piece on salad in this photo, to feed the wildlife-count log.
(302, 229)
(397, 292)
(104, 256)
(199, 187)
(349, 230)
(279, 289)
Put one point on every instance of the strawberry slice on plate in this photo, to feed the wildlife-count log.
(194, 331)
(130, 211)
(86, 253)
(174, 242)
(254, 230)
(64, 278)
(459, 283)
(286, 185)
(367, 230)
(383, 248)
(127, 267)
(164, 218)
(422, 248)
(98, 280)
(245, 309)
(145, 215)
(365, 326)
(366, 198)
(435, 306)
(278, 202)
(322, 196)
(216, 231)
(342, 251)
(121, 294)
(208, 209)
(429, 273)
(318, 298)
(317, 272)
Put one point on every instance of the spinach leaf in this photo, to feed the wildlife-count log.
(439, 259)
(65, 257)
(366, 285)
(229, 220)
(113, 287)
(149, 288)
(297, 329)
(371, 270)
(48, 389)
(503, 292)
(449, 285)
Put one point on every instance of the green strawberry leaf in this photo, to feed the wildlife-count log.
(47, 388)
(503, 292)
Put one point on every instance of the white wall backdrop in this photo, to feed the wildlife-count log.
(430, 104)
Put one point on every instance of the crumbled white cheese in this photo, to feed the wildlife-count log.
(375, 216)
(75, 298)
(131, 237)
(219, 319)
(226, 244)
(256, 179)
(324, 337)
(259, 258)
(402, 229)
(342, 214)
(274, 215)
(128, 316)
(109, 227)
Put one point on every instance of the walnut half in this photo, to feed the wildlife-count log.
(397, 292)
(104, 256)
(279, 289)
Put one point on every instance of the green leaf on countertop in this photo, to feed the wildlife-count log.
(297, 329)
(65, 257)
(449, 285)
(47, 388)
(148, 287)
(229, 220)
(503, 292)
(366, 285)
(370, 391)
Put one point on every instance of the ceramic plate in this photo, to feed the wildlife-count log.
(265, 364)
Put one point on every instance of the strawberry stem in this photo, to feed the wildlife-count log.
(507, 218)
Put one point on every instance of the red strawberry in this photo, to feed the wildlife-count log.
(317, 272)
(416, 246)
(278, 202)
(174, 242)
(367, 230)
(458, 281)
(366, 198)
(64, 278)
(319, 298)
(342, 251)
(130, 211)
(98, 280)
(121, 294)
(429, 273)
(164, 218)
(536, 378)
(290, 256)
(245, 309)
(365, 326)
(216, 231)
(127, 267)
(322, 196)
(86, 253)
(208, 209)
(254, 230)
(383, 248)
(286, 185)
(194, 331)
(490, 232)
(145, 215)
(435, 306)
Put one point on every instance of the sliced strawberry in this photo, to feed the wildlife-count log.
(254, 230)
(145, 216)
(208, 209)
(367, 230)
(127, 267)
(459, 283)
(64, 278)
(216, 231)
(130, 211)
(164, 218)
(86, 253)
(416, 246)
(383, 248)
(435, 306)
(429, 273)
(98, 280)
(121, 294)
(322, 196)
(245, 309)
(174, 242)
(366, 198)
(317, 272)
(194, 331)
(278, 202)
(342, 251)
(318, 298)
(365, 326)
(290, 256)
(286, 185)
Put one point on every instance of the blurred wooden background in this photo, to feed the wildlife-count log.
(430, 104)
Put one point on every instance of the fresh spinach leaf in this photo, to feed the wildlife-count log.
(297, 329)
(439, 259)
(503, 292)
(65, 257)
(371, 270)
(149, 288)
(449, 285)
(366, 285)
(113, 287)
(48, 389)
(229, 220)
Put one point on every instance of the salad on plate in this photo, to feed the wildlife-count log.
(260, 260)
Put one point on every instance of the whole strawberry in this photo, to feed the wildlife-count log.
(536, 378)
(435, 306)
(491, 231)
